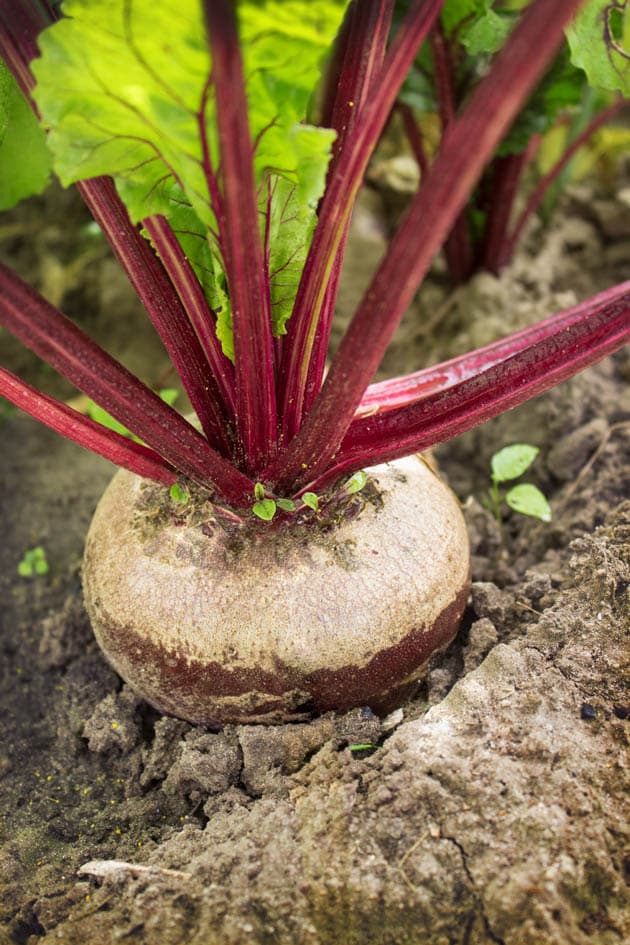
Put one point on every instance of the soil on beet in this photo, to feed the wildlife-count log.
(492, 809)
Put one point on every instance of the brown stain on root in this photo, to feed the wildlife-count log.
(213, 693)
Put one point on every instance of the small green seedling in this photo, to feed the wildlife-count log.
(355, 483)
(311, 500)
(362, 750)
(179, 493)
(507, 464)
(33, 563)
(262, 507)
(265, 508)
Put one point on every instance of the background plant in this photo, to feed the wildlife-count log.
(508, 464)
(230, 211)
(575, 100)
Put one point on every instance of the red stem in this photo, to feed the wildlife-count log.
(62, 344)
(243, 252)
(341, 191)
(84, 431)
(545, 182)
(414, 137)
(365, 42)
(453, 174)
(201, 316)
(402, 391)
(19, 28)
(597, 328)
(457, 247)
(503, 182)
(159, 297)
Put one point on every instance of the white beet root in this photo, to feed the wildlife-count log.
(274, 623)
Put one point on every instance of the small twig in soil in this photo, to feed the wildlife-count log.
(105, 868)
(624, 424)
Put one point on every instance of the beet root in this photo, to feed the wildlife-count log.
(275, 623)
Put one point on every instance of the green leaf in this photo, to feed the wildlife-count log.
(356, 482)
(458, 13)
(599, 39)
(25, 161)
(34, 562)
(512, 461)
(169, 395)
(259, 491)
(291, 218)
(311, 500)
(179, 493)
(99, 415)
(121, 85)
(487, 34)
(6, 94)
(265, 509)
(529, 500)
(287, 505)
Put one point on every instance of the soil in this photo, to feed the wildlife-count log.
(493, 808)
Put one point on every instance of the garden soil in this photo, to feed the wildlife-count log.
(492, 809)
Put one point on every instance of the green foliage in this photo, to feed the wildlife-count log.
(25, 161)
(356, 482)
(7, 85)
(476, 30)
(34, 563)
(529, 500)
(487, 34)
(179, 493)
(507, 464)
(512, 461)
(264, 509)
(287, 505)
(599, 39)
(122, 87)
(311, 500)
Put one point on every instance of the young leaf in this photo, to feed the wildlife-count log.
(291, 218)
(356, 482)
(512, 461)
(598, 39)
(312, 500)
(25, 161)
(124, 88)
(287, 505)
(34, 562)
(259, 491)
(487, 34)
(529, 500)
(264, 509)
(179, 493)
